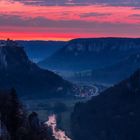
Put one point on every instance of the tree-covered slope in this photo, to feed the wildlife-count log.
(113, 115)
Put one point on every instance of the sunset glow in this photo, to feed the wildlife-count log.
(66, 20)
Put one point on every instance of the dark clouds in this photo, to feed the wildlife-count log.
(94, 15)
(14, 20)
(17, 21)
(135, 15)
(133, 3)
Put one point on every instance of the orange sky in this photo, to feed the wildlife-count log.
(63, 22)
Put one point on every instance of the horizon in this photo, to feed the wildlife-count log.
(68, 19)
(69, 39)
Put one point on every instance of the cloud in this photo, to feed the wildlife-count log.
(41, 22)
(133, 3)
(85, 15)
(41, 26)
(135, 15)
(15, 20)
(37, 16)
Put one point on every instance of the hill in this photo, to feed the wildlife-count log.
(112, 115)
(17, 71)
(91, 53)
(111, 74)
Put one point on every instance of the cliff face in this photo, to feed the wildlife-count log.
(94, 53)
(16, 70)
(13, 57)
(102, 44)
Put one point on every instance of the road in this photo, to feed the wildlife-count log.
(87, 90)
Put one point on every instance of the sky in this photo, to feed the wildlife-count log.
(68, 19)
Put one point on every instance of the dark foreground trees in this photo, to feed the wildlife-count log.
(14, 122)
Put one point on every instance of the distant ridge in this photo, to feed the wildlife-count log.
(38, 50)
(91, 53)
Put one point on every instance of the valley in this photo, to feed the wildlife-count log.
(59, 101)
